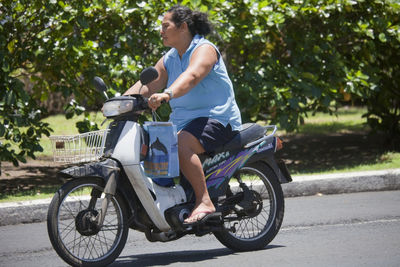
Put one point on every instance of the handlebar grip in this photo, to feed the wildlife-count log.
(146, 102)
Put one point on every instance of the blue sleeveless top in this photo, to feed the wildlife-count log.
(212, 97)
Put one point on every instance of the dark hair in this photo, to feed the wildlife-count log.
(197, 21)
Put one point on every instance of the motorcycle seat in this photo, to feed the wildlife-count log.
(249, 132)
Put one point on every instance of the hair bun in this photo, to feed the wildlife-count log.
(197, 21)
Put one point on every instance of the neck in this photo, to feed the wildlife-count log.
(184, 44)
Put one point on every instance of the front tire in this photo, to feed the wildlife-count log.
(76, 238)
(255, 228)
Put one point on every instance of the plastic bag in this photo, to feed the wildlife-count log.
(162, 157)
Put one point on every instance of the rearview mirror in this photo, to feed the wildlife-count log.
(148, 75)
(100, 85)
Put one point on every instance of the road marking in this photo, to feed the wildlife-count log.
(351, 223)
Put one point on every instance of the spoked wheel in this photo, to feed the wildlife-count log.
(257, 207)
(73, 229)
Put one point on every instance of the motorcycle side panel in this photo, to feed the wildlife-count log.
(162, 198)
(155, 199)
(127, 150)
(115, 129)
(166, 197)
(222, 166)
(218, 178)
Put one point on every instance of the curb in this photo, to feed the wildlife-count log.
(339, 183)
(24, 212)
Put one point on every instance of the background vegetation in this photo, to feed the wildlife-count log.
(286, 59)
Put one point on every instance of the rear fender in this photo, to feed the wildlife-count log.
(266, 154)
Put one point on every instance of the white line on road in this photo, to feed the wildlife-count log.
(306, 227)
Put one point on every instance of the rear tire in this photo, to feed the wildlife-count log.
(254, 231)
(75, 242)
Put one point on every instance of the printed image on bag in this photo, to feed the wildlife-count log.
(162, 158)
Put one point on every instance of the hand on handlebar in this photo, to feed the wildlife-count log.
(155, 100)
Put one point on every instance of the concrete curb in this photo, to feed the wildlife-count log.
(338, 183)
(23, 212)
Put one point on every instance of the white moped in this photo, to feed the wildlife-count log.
(90, 215)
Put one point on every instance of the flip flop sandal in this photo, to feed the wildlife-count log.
(200, 220)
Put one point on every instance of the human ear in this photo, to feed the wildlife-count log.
(184, 26)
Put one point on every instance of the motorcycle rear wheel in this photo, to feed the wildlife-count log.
(258, 228)
(76, 239)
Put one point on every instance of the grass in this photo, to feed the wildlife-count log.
(386, 161)
(348, 119)
(31, 194)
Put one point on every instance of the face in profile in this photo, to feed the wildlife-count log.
(170, 33)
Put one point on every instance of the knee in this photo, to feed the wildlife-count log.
(187, 143)
(184, 143)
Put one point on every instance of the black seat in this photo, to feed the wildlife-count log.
(249, 132)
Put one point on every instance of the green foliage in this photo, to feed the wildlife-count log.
(285, 58)
(60, 46)
(290, 57)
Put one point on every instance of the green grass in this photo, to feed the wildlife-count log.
(387, 161)
(31, 194)
(346, 120)
(43, 193)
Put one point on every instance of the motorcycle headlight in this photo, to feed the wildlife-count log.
(117, 107)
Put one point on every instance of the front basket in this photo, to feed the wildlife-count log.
(78, 148)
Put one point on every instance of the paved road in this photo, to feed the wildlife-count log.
(327, 230)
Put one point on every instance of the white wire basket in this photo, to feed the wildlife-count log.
(78, 148)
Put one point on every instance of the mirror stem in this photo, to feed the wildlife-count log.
(105, 94)
(140, 89)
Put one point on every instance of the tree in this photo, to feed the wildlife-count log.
(61, 46)
(291, 57)
(285, 58)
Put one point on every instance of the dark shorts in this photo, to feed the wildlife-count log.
(210, 133)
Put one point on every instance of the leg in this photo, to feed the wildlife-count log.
(190, 164)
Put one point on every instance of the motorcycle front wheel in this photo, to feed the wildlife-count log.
(73, 231)
(254, 226)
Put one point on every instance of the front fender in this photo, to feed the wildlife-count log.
(103, 170)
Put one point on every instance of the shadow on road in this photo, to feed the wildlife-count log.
(186, 256)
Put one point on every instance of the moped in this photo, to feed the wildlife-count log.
(90, 216)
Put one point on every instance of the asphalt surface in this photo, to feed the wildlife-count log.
(338, 183)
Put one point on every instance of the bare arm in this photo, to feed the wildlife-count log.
(201, 63)
(154, 86)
